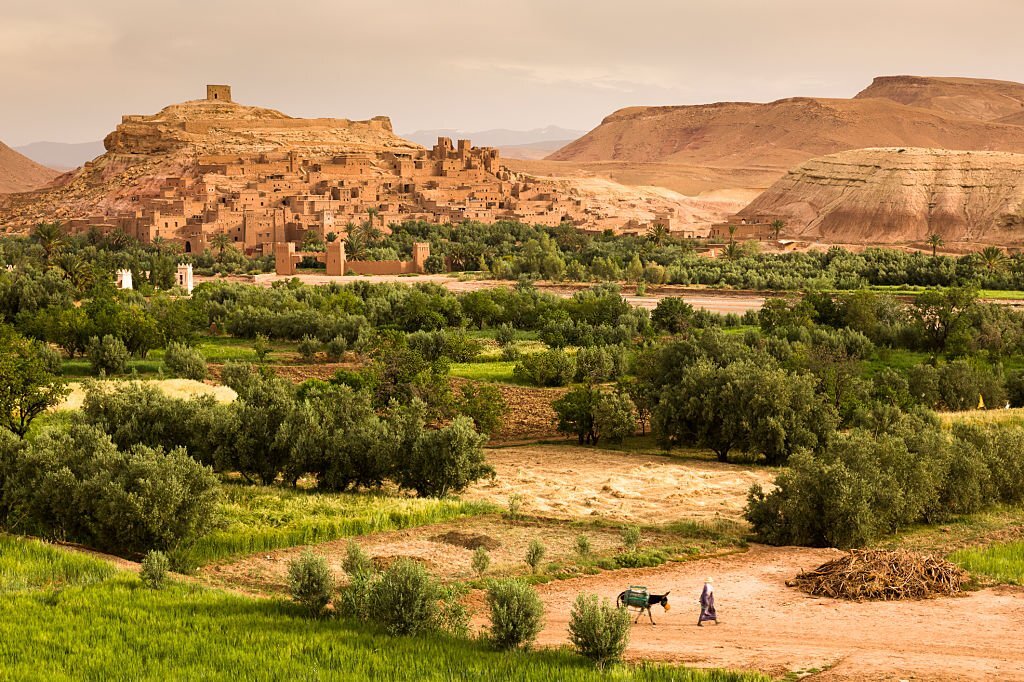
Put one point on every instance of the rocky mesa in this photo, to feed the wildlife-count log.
(779, 134)
(976, 98)
(900, 195)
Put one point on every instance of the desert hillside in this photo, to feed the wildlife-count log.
(779, 134)
(977, 98)
(19, 173)
(895, 195)
(195, 158)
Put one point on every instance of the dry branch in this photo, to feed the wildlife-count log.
(882, 575)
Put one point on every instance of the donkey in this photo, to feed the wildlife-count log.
(652, 599)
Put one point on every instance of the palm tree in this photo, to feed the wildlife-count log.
(732, 251)
(50, 237)
(935, 240)
(76, 270)
(993, 258)
(220, 241)
(372, 213)
(732, 234)
(777, 226)
(119, 240)
(658, 233)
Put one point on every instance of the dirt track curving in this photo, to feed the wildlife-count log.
(769, 627)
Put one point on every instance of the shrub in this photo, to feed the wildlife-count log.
(308, 348)
(744, 406)
(481, 561)
(154, 569)
(357, 562)
(445, 461)
(515, 506)
(550, 368)
(185, 362)
(434, 264)
(505, 334)
(598, 630)
(517, 614)
(78, 485)
(593, 413)
(535, 554)
(108, 355)
(866, 484)
(637, 558)
(583, 547)
(261, 347)
(336, 348)
(405, 599)
(310, 583)
(29, 374)
(484, 404)
(631, 537)
(595, 365)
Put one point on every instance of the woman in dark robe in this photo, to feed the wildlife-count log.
(707, 604)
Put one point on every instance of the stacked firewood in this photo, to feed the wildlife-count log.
(883, 575)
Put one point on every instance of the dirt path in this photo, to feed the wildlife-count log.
(769, 627)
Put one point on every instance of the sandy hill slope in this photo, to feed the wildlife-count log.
(894, 195)
(976, 98)
(19, 173)
(778, 134)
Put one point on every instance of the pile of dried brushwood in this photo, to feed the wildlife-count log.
(882, 575)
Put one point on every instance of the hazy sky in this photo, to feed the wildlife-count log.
(70, 68)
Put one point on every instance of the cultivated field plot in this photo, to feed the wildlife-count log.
(565, 481)
(776, 629)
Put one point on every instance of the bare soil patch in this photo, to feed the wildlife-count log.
(767, 626)
(567, 481)
(445, 549)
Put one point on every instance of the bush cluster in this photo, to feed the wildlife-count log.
(866, 484)
(272, 430)
(80, 486)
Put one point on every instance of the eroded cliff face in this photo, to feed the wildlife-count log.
(893, 195)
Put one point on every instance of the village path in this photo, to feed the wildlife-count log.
(769, 627)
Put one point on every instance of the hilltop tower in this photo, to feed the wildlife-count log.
(218, 93)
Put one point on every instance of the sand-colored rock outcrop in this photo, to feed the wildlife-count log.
(893, 195)
(207, 166)
(977, 98)
(19, 173)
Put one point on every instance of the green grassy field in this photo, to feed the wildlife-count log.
(117, 629)
(215, 349)
(484, 371)
(1002, 562)
(263, 518)
(30, 564)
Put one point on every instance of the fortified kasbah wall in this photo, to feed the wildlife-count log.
(213, 166)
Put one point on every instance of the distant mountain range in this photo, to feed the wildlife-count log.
(62, 155)
(498, 137)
